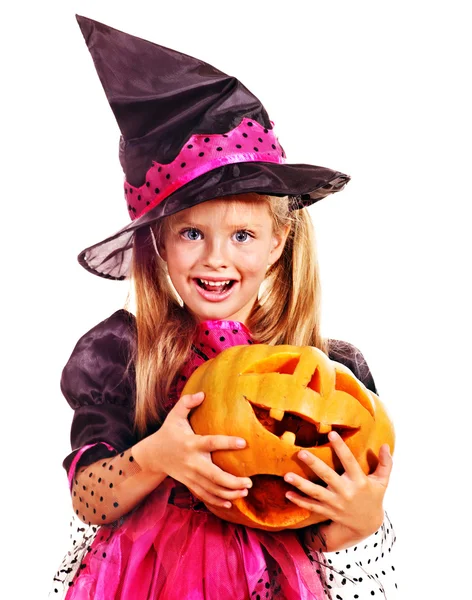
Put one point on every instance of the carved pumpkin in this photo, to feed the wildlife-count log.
(281, 399)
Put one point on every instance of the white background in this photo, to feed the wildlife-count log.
(377, 90)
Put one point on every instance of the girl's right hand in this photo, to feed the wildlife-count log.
(185, 456)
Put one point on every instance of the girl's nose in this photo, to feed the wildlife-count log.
(215, 255)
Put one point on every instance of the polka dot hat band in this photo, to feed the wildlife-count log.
(249, 141)
(189, 133)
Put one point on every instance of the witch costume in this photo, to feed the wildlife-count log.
(189, 133)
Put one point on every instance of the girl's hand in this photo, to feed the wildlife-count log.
(352, 500)
(178, 452)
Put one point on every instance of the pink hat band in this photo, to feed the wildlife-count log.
(248, 142)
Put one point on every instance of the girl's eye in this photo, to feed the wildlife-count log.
(242, 235)
(191, 234)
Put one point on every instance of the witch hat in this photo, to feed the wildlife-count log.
(189, 133)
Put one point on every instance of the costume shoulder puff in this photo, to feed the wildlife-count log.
(98, 382)
(99, 370)
(353, 359)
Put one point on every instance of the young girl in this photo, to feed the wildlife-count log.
(221, 253)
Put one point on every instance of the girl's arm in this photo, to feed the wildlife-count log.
(110, 488)
(351, 502)
(332, 537)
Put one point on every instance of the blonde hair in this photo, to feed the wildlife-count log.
(288, 310)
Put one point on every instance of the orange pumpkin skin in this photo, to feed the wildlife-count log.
(282, 399)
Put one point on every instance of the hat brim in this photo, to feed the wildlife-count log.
(304, 184)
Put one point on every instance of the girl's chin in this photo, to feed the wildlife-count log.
(219, 311)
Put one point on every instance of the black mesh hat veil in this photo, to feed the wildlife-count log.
(189, 133)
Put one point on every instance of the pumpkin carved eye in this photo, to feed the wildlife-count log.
(281, 399)
(296, 429)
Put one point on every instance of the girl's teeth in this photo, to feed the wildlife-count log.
(215, 283)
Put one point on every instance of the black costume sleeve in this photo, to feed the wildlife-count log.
(352, 358)
(98, 383)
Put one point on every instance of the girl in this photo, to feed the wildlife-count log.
(221, 253)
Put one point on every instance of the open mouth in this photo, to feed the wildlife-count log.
(216, 287)
(297, 430)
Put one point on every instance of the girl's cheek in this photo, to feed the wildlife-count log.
(252, 261)
(255, 267)
(249, 270)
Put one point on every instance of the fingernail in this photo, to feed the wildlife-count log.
(244, 493)
(240, 443)
(303, 455)
(248, 484)
(288, 478)
(227, 505)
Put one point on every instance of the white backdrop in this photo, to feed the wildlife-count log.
(377, 91)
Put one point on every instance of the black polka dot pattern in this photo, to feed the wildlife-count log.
(100, 495)
(362, 571)
(210, 339)
(81, 539)
(248, 141)
(98, 500)
(344, 575)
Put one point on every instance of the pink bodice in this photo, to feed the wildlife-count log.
(211, 338)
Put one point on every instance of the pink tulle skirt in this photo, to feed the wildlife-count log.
(171, 551)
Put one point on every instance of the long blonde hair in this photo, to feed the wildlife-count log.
(288, 310)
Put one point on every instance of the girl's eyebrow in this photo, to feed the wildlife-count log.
(253, 225)
(231, 226)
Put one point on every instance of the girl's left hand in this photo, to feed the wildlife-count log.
(353, 499)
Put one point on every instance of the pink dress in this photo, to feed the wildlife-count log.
(171, 547)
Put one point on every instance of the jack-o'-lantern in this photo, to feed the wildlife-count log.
(282, 399)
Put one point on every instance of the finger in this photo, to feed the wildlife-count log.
(309, 504)
(220, 492)
(384, 468)
(347, 458)
(320, 468)
(209, 498)
(220, 478)
(314, 491)
(185, 404)
(210, 443)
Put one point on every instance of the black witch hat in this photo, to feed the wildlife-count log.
(189, 133)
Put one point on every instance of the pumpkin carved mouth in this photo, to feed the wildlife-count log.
(297, 429)
(267, 504)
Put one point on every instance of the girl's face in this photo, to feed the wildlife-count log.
(217, 254)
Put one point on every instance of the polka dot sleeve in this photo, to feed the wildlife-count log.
(97, 489)
(98, 383)
(366, 570)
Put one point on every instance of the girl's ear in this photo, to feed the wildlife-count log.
(278, 244)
